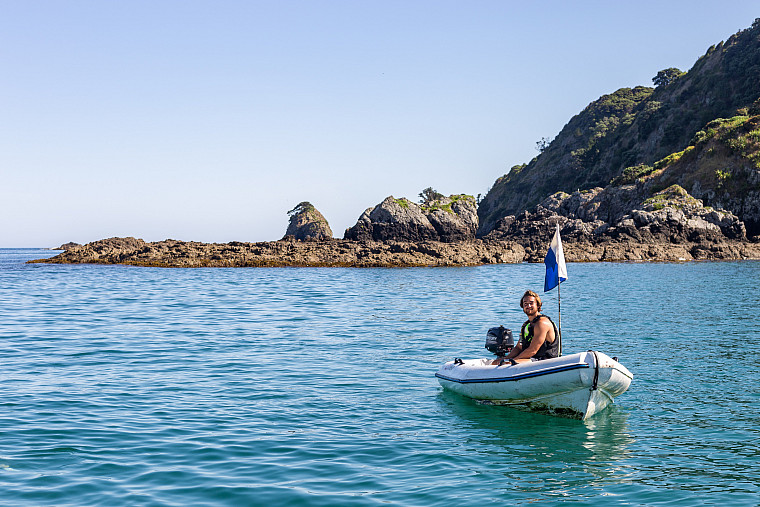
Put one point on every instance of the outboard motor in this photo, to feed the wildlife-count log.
(499, 340)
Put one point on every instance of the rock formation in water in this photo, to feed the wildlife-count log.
(446, 219)
(307, 224)
(392, 219)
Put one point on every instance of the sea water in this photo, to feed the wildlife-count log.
(147, 386)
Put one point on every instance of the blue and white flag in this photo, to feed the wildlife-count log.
(556, 271)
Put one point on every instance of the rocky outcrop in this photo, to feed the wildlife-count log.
(668, 215)
(67, 246)
(390, 220)
(292, 253)
(307, 224)
(112, 249)
(447, 219)
(627, 222)
(454, 218)
(618, 223)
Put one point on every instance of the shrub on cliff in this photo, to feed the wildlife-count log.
(429, 195)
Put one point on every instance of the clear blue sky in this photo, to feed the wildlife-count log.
(209, 120)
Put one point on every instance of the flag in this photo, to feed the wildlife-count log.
(556, 271)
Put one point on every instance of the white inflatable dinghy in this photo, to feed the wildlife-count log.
(575, 385)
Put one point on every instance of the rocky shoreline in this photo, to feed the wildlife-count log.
(613, 224)
(618, 223)
(364, 254)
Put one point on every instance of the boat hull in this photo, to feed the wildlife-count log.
(577, 385)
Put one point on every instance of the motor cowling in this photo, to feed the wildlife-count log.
(499, 340)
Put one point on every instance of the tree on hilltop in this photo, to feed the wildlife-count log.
(302, 207)
(429, 195)
(543, 144)
(667, 76)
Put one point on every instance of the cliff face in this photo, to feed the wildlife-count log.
(446, 219)
(633, 127)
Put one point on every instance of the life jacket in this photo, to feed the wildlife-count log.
(547, 350)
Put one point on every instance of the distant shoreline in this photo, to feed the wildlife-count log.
(348, 253)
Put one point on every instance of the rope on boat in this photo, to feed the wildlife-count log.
(596, 371)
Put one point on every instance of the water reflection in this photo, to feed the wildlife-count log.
(553, 455)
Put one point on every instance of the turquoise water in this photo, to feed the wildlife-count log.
(142, 386)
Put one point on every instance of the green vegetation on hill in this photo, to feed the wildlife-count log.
(721, 167)
(637, 133)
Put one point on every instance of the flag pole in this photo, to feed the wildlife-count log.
(559, 313)
(556, 273)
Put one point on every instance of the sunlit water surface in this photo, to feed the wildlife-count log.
(141, 386)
